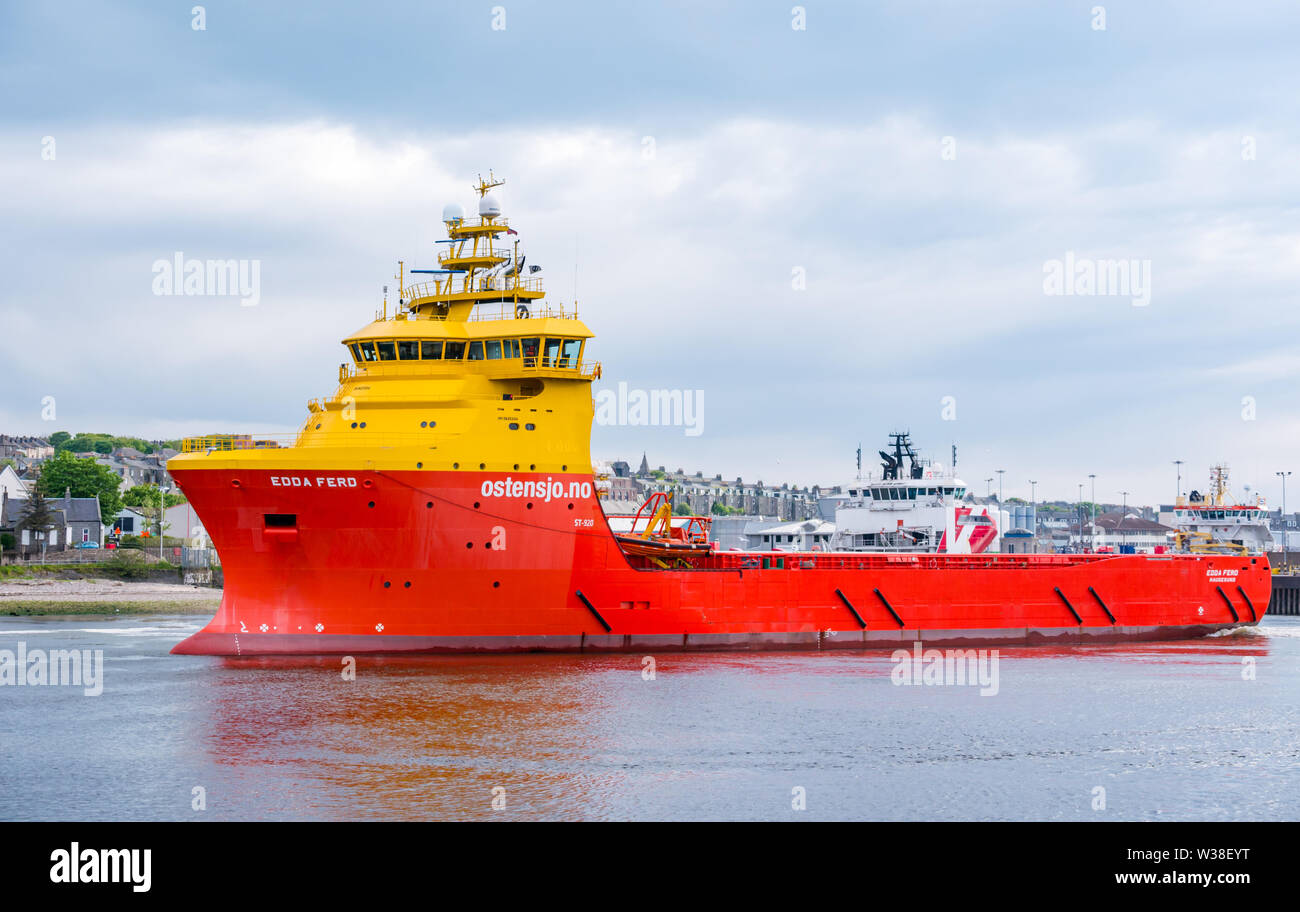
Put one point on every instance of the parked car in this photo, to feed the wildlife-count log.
(88, 544)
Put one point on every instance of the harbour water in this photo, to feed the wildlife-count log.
(1192, 730)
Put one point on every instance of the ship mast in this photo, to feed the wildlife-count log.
(467, 267)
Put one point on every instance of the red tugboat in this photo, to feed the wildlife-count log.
(442, 500)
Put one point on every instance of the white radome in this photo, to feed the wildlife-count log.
(453, 212)
(488, 207)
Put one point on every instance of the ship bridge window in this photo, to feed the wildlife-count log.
(431, 351)
(530, 351)
(570, 351)
(387, 351)
(367, 351)
(454, 351)
(510, 348)
(493, 349)
(408, 350)
(853, 493)
(551, 353)
(356, 352)
(476, 351)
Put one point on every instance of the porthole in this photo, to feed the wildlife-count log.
(532, 468)
(564, 468)
(406, 585)
(354, 424)
(419, 465)
(429, 505)
(530, 506)
(496, 584)
(469, 544)
(371, 504)
(516, 467)
(234, 482)
(433, 424)
(527, 427)
(514, 425)
(424, 424)
(318, 427)
(363, 424)
(476, 505)
(570, 506)
(367, 483)
(482, 465)
(455, 465)
(487, 546)
(387, 584)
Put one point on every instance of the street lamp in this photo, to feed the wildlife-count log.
(1285, 557)
(1178, 491)
(1123, 512)
(162, 509)
(1092, 531)
(1078, 514)
(988, 487)
(1033, 510)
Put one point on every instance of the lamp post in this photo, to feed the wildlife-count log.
(1092, 531)
(1033, 510)
(1286, 562)
(1078, 514)
(162, 507)
(1000, 472)
(1178, 490)
(988, 487)
(1123, 512)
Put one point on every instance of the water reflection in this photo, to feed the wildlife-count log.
(1171, 730)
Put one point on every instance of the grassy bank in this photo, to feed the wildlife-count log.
(107, 570)
(39, 608)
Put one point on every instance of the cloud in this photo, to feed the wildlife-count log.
(923, 279)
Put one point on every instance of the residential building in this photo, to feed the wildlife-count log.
(76, 520)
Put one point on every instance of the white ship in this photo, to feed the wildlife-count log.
(1212, 523)
(917, 507)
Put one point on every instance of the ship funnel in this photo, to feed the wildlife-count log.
(488, 207)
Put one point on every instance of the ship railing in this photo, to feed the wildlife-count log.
(507, 284)
(523, 366)
(480, 222)
(484, 252)
(307, 437)
(522, 311)
(221, 442)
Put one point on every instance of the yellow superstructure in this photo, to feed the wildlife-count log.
(471, 372)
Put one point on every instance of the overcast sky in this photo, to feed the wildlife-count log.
(919, 164)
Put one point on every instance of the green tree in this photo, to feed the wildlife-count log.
(85, 478)
(58, 438)
(39, 517)
(146, 495)
(98, 443)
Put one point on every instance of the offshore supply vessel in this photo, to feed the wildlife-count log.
(443, 500)
(917, 506)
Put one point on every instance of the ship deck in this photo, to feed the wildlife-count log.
(848, 560)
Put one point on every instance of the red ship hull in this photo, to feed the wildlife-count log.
(346, 562)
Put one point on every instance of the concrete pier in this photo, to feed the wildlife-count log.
(1286, 595)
